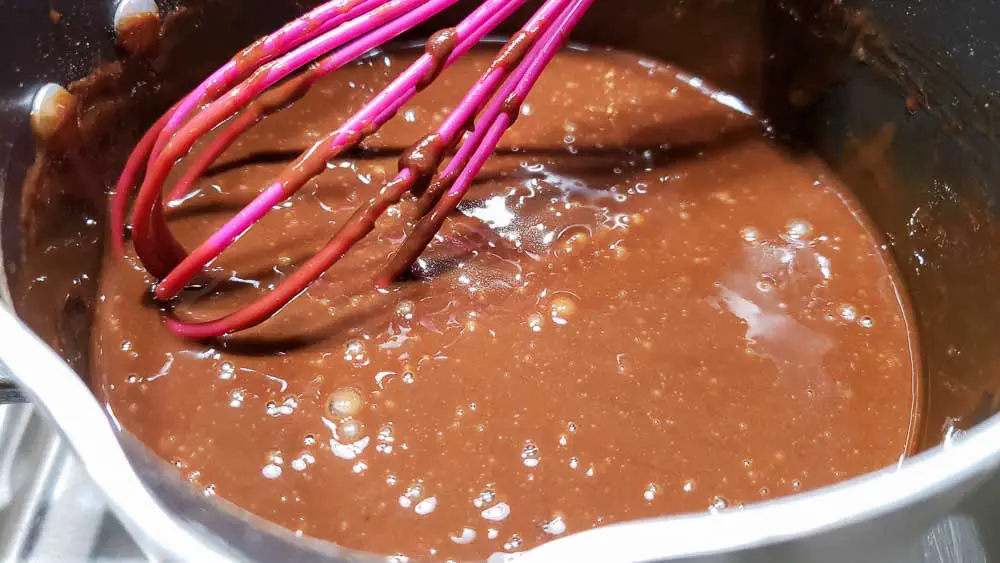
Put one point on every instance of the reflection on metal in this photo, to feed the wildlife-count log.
(955, 539)
(49, 509)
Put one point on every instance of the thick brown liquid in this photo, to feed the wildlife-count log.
(646, 307)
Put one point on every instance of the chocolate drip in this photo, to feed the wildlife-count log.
(424, 156)
(439, 47)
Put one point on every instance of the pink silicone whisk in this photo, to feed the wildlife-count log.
(256, 82)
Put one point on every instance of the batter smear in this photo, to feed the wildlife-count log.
(645, 307)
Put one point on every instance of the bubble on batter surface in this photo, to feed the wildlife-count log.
(271, 471)
(345, 402)
(227, 371)
(847, 312)
(572, 241)
(749, 234)
(530, 455)
(766, 283)
(798, 229)
(466, 536)
(562, 307)
(718, 504)
(497, 512)
(513, 543)
(356, 352)
(650, 492)
(485, 498)
(405, 309)
(426, 506)
(555, 527)
(350, 430)
(413, 492)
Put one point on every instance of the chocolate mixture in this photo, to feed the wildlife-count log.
(645, 307)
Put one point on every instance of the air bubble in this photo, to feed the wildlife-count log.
(227, 371)
(572, 241)
(562, 307)
(467, 536)
(405, 309)
(718, 504)
(529, 454)
(426, 506)
(385, 434)
(766, 283)
(866, 322)
(620, 252)
(496, 513)
(651, 491)
(271, 471)
(412, 493)
(847, 312)
(485, 498)
(750, 234)
(535, 322)
(688, 486)
(350, 431)
(798, 229)
(345, 402)
(555, 527)
(356, 352)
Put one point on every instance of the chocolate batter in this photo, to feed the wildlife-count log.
(646, 307)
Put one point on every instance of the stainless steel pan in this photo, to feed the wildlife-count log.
(934, 196)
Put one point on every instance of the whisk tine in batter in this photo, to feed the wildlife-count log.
(260, 81)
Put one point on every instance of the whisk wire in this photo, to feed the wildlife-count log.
(442, 50)
(326, 39)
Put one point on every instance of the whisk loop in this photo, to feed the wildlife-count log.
(256, 83)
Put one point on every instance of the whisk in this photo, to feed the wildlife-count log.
(272, 73)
